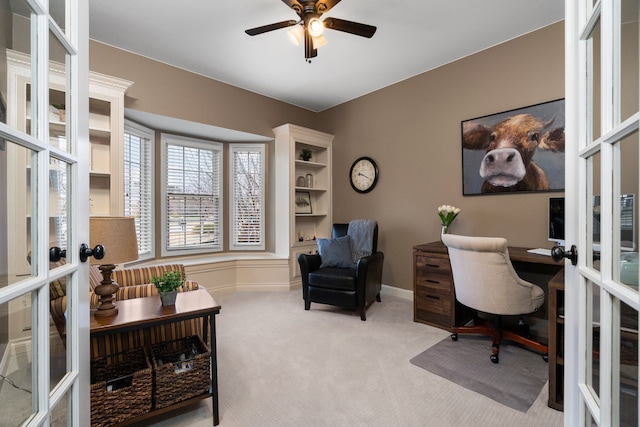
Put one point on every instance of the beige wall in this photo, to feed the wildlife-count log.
(165, 90)
(412, 131)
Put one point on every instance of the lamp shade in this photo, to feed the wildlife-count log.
(318, 41)
(118, 236)
(295, 34)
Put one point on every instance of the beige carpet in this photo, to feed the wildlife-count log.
(280, 365)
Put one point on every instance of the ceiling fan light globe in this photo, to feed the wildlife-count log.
(315, 27)
(318, 41)
(295, 34)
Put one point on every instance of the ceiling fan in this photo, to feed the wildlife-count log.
(311, 27)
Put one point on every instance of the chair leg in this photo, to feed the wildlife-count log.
(495, 331)
(307, 304)
(378, 297)
(495, 351)
(363, 316)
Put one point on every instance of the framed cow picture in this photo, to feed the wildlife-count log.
(519, 150)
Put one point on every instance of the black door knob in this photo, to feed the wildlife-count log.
(55, 254)
(85, 252)
(558, 254)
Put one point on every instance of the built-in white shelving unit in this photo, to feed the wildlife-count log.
(297, 225)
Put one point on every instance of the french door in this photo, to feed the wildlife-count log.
(602, 299)
(44, 374)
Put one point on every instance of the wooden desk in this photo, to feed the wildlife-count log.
(555, 301)
(434, 300)
(140, 313)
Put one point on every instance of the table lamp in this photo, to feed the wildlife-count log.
(118, 236)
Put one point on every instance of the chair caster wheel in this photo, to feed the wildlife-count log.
(494, 358)
(545, 357)
(454, 337)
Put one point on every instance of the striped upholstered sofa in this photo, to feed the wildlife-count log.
(134, 283)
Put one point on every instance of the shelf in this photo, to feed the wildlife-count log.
(155, 412)
(310, 164)
(104, 174)
(312, 189)
(58, 128)
(305, 243)
(318, 215)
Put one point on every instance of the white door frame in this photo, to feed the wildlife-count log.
(74, 39)
(585, 403)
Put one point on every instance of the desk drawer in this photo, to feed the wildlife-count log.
(433, 281)
(433, 306)
(433, 273)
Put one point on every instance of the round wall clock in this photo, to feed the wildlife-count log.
(363, 175)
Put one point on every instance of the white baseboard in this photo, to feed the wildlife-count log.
(397, 292)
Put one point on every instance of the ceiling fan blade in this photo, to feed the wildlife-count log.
(270, 27)
(323, 6)
(351, 27)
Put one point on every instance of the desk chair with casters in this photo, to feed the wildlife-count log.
(485, 280)
(348, 270)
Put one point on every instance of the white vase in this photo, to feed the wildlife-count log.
(445, 230)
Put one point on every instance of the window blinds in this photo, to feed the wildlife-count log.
(138, 184)
(247, 190)
(193, 199)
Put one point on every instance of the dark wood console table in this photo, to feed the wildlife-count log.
(140, 313)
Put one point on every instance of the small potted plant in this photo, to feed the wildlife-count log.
(62, 111)
(167, 286)
(305, 154)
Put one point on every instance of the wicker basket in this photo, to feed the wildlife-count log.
(181, 370)
(121, 386)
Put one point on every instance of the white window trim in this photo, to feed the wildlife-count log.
(233, 148)
(196, 143)
(151, 135)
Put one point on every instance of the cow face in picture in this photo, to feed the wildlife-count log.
(508, 164)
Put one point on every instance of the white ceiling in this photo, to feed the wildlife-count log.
(207, 37)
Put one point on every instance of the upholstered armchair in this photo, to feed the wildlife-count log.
(341, 273)
(485, 280)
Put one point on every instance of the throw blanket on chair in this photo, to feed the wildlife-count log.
(360, 232)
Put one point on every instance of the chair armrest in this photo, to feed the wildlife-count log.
(308, 263)
(369, 274)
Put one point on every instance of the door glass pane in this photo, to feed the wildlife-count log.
(58, 132)
(57, 11)
(593, 84)
(628, 366)
(15, 23)
(59, 412)
(629, 58)
(593, 221)
(58, 205)
(593, 337)
(58, 331)
(16, 382)
(625, 267)
(16, 176)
